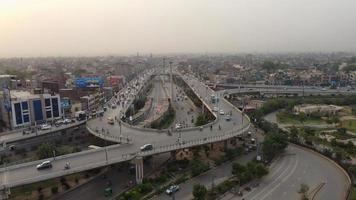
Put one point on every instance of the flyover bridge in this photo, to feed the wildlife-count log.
(135, 137)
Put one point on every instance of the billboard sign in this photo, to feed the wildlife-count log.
(93, 81)
(65, 103)
(7, 97)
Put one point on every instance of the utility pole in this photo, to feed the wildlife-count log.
(171, 76)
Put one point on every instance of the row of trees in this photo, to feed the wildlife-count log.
(246, 173)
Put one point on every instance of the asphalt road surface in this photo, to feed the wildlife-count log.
(295, 167)
(214, 176)
(94, 189)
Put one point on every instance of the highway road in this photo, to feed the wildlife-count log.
(295, 167)
(27, 173)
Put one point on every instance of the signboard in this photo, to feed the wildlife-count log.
(7, 98)
(65, 104)
(85, 82)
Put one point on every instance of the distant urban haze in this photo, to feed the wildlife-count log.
(114, 27)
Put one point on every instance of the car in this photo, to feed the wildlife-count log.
(45, 127)
(67, 121)
(111, 120)
(44, 165)
(222, 112)
(146, 147)
(172, 189)
(228, 117)
(12, 147)
(179, 126)
(215, 109)
(253, 141)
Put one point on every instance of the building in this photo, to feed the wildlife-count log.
(92, 101)
(320, 109)
(26, 109)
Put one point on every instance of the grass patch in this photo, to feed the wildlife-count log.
(285, 117)
(349, 125)
(353, 193)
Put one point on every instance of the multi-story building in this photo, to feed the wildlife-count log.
(26, 109)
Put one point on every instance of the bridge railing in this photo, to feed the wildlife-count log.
(197, 142)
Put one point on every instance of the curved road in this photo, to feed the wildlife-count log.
(299, 166)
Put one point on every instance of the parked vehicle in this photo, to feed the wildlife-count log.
(45, 127)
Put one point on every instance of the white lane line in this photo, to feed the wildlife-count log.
(283, 180)
(272, 178)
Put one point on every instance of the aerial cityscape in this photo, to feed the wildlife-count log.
(181, 100)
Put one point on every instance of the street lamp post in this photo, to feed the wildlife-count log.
(54, 154)
(106, 154)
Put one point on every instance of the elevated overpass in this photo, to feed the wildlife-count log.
(287, 90)
(135, 137)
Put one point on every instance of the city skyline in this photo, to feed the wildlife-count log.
(71, 28)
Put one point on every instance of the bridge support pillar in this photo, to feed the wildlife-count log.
(139, 169)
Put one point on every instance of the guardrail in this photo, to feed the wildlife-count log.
(42, 132)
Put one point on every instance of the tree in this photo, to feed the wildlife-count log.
(269, 66)
(45, 150)
(260, 170)
(273, 144)
(341, 131)
(199, 192)
(201, 120)
(237, 169)
(294, 133)
(302, 117)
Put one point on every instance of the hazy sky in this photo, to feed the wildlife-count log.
(102, 27)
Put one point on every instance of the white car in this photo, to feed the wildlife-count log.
(172, 189)
(146, 147)
(44, 165)
(215, 109)
(222, 112)
(67, 121)
(46, 126)
(179, 126)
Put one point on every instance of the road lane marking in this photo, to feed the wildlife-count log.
(283, 180)
(271, 177)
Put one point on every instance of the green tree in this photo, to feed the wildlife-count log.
(302, 117)
(238, 169)
(261, 170)
(294, 133)
(201, 120)
(199, 192)
(273, 144)
(45, 150)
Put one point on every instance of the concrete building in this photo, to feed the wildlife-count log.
(26, 109)
(92, 101)
(321, 109)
